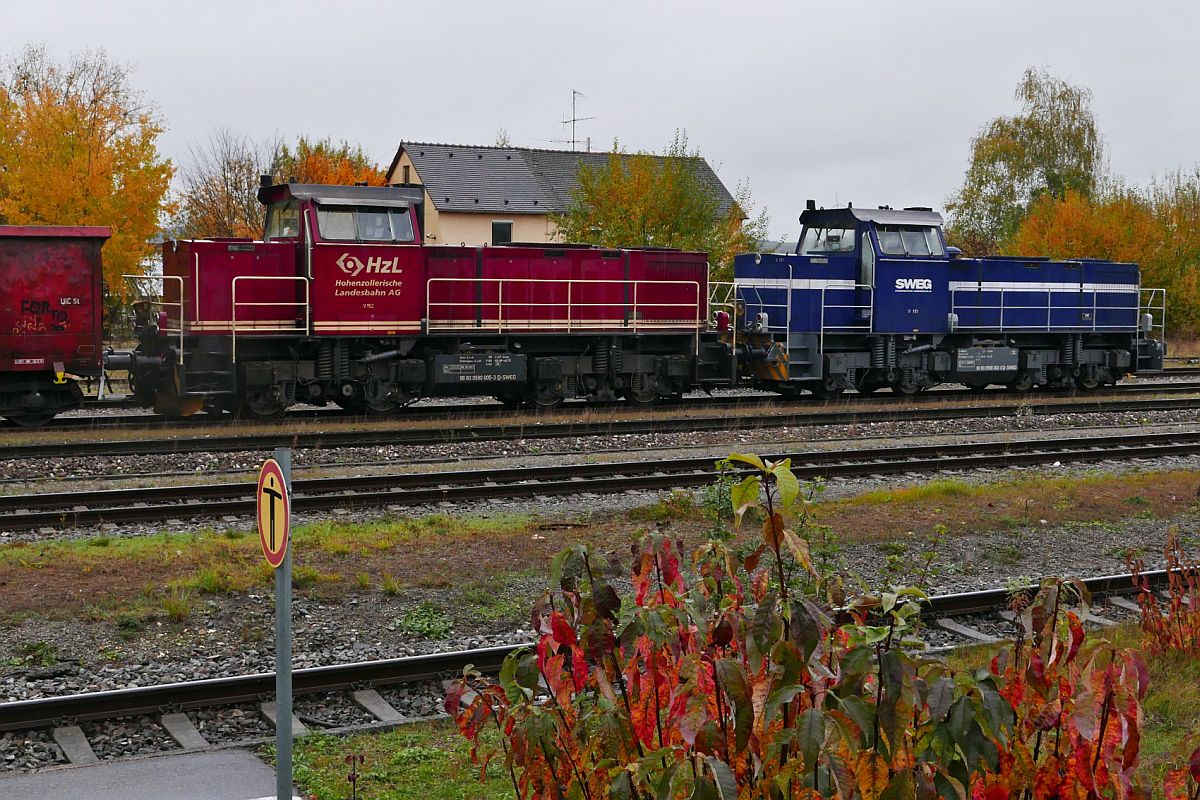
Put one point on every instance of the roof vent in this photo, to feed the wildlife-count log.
(917, 208)
(479, 156)
(421, 153)
(476, 201)
(508, 158)
(810, 205)
(535, 202)
(447, 200)
(450, 154)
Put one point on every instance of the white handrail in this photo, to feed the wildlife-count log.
(570, 320)
(160, 301)
(294, 328)
(1049, 307)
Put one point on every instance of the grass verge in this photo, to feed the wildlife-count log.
(422, 761)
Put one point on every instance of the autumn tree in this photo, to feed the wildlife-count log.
(323, 161)
(218, 193)
(1051, 147)
(1157, 228)
(642, 199)
(219, 196)
(79, 146)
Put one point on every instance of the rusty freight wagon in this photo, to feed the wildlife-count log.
(50, 302)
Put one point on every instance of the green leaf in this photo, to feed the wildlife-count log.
(726, 783)
(744, 496)
(810, 736)
(778, 699)
(941, 695)
(789, 487)
(748, 458)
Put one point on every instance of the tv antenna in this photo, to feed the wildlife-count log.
(574, 118)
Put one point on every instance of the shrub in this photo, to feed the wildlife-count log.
(724, 679)
(1175, 624)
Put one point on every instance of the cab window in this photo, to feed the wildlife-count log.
(820, 241)
(365, 224)
(283, 220)
(910, 240)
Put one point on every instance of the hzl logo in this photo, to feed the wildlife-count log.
(375, 265)
(914, 285)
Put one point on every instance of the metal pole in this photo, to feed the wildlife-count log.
(283, 652)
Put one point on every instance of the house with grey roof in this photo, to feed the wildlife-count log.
(494, 195)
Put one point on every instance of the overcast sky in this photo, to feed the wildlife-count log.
(870, 102)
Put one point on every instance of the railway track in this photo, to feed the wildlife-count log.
(405, 490)
(525, 429)
(491, 410)
(62, 710)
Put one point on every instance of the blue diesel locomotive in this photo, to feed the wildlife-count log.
(874, 298)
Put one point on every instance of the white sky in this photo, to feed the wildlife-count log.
(872, 102)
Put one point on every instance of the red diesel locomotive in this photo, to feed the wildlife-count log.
(51, 313)
(343, 302)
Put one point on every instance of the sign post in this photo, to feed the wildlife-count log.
(274, 530)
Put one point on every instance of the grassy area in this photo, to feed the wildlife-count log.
(491, 566)
(423, 761)
(1012, 503)
(165, 573)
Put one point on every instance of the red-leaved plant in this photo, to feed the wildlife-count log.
(722, 680)
(1175, 624)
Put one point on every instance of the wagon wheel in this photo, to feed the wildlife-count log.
(30, 420)
(905, 388)
(976, 387)
(1087, 382)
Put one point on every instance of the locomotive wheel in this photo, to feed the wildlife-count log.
(262, 409)
(643, 398)
(544, 398)
(1023, 383)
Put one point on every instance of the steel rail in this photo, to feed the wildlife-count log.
(476, 411)
(47, 711)
(525, 429)
(158, 503)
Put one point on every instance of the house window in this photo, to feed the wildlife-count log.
(406, 173)
(501, 232)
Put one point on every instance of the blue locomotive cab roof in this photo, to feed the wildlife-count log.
(850, 217)
(910, 232)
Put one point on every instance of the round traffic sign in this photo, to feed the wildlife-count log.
(274, 512)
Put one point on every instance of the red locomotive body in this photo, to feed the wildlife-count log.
(343, 302)
(50, 297)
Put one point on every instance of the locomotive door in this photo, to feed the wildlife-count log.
(864, 296)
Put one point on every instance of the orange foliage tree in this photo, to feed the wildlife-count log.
(79, 146)
(322, 161)
(1158, 228)
(220, 184)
